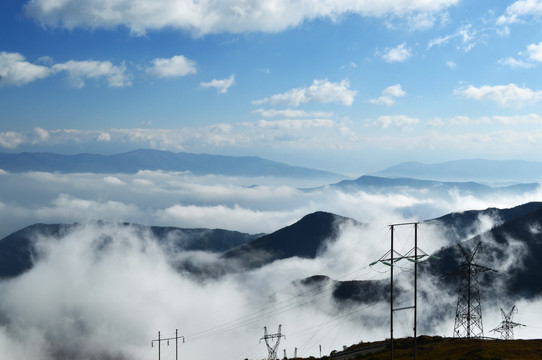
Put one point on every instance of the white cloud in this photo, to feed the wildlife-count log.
(396, 120)
(389, 94)
(467, 34)
(217, 16)
(112, 180)
(11, 139)
(515, 63)
(533, 55)
(451, 64)
(79, 71)
(15, 70)
(534, 52)
(42, 135)
(321, 91)
(520, 9)
(397, 54)
(292, 113)
(504, 95)
(221, 85)
(296, 124)
(175, 66)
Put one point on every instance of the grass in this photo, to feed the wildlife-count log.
(432, 348)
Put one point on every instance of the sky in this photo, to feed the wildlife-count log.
(344, 86)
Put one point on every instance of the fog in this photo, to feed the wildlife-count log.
(104, 291)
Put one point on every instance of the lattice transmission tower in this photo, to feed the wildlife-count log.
(272, 341)
(506, 327)
(468, 316)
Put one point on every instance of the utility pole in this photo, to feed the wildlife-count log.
(506, 327)
(468, 315)
(389, 259)
(272, 349)
(176, 338)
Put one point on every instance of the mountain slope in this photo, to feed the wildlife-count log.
(18, 251)
(513, 248)
(133, 161)
(303, 239)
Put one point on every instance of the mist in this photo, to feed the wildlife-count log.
(104, 291)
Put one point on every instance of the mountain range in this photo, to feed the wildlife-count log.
(134, 161)
(493, 171)
(513, 246)
(464, 171)
(377, 184)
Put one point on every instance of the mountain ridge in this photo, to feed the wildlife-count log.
(148, 159)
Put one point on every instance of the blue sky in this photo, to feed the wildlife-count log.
(346, 86)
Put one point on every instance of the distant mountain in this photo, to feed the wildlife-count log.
(493, 171)
(18, 251)
(133, 161)
(376, 184)
(303, 239)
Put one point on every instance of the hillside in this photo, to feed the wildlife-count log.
(430, 348)
(302, 239)
(18, 251)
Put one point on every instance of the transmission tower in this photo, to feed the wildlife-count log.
(468, 315)
(272, 348)
(389, 259)
(506, 327)
(176, 338)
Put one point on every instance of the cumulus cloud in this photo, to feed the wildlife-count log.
(296, 124)
(534, 52)
(320, 91)
(397, 54)
(520, 9)
(16, 71)
(292, 113)
(11, 139)
(176, 66)
(221, 85)
(504, 95)
(217, 16)
(79, 71)
(531, 57)
(386, 121)
(389, 95)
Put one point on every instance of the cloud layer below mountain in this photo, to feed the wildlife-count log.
(105, 291)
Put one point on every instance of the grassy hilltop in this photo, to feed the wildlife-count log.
(438, 348)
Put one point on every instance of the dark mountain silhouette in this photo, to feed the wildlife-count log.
(303, 239)
(382, 184)
(134, 161)
(18, 252)
(513, 248)
(472, 169)
(343, 292)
